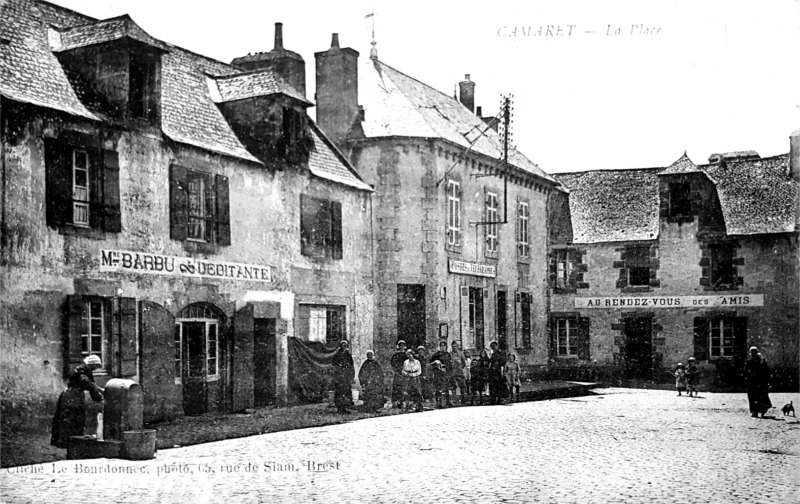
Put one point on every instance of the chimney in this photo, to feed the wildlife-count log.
(466, 91)
(794, 156)
(287, 64)
(337, 91)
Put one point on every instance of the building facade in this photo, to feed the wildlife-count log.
(649, 267)
(180, 217)
(460, 234)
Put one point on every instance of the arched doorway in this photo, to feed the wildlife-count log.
(197, 353)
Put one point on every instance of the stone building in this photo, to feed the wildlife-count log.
(460, 237)
(181, 217)
(649, 267)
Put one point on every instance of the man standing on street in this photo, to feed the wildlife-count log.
(459, 370)
(443, 357)
(756, 376)
(496, 380)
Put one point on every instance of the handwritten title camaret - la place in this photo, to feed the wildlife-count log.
(642, 30)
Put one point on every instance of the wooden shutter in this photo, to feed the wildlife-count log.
(552, 276)
(242, 359)
(127, 336)
(740, 339)
(584, 324)
(701, 338)
(336, 230)
(112, 217)
(552, 332)
(307, 222)
(76, 325)
(322, 240)
(223, 213)
(466, 338)
(96, 175)
(158, 362)
(58, 184)
(178, 203)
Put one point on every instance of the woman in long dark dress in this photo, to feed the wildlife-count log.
(371, 378)
(343, 374)
(70, 416)
(756, 375)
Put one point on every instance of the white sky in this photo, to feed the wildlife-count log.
(721, 75)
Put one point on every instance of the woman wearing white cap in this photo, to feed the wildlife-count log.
(69, 419)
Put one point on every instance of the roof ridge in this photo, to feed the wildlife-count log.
(417, 80)
(61, 7)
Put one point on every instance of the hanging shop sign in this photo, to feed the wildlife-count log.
(474, 269)
(647, 302)
(125, 261)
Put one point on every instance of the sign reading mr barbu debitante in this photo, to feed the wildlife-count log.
(125, 261)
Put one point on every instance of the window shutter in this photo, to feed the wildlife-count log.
(466, 338)
(701, 338)
(223, 212)
(76, 325)
(306, 236)
(336, 230)
(58, 185)
(112, 218)
(584, 324)
(324, 245)
(740, 339)
(553, 269)
(127, 336)
(178, 203)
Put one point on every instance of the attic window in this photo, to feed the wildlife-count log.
(679, 199)
(142, 96)
(293, 144)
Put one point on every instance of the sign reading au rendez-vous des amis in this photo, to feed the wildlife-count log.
(125, 261)
(737, 301)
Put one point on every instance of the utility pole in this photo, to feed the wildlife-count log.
(506, 107)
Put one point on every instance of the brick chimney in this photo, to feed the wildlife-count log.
(466, 92)
(287, 64)
(337, 91)
(794, 156)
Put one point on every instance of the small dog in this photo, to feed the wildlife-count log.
(787, 408)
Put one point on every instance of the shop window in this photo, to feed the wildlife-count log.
(453, 213)
(570, 337)
(492, 227)
(680, 203)
(320, 227)
(82, 186)
(323, 323)
(199, 207)
(720, 337)
(523, 221)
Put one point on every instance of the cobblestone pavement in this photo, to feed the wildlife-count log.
(620, 446)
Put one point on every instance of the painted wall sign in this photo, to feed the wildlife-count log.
(647, 302)
(475, 269)
(125, 261)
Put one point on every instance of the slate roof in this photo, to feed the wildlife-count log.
(401, 106)
(30, 73)
(327, 162)
(757, 196)
(260, 83)
(99, 32)
(613, 205)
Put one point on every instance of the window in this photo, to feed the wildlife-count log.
(567, 337)
(502, 316)
(199, 207)
(570, 336)
(637, 260)
(491, 229)
(523, 245)
(292, 144)
(320, 227)
(197, 343)
(564, 269)
(721, 270)
(476, 315)
(720, 337)
(142, 93)
(97, 324)
(82, 184)
(453, 213)
(679, 199)
(325, 324)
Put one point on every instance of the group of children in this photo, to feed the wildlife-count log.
(686, 377)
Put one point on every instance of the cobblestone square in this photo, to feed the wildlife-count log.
(620, 445)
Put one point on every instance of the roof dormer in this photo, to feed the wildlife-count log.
(114, 67)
